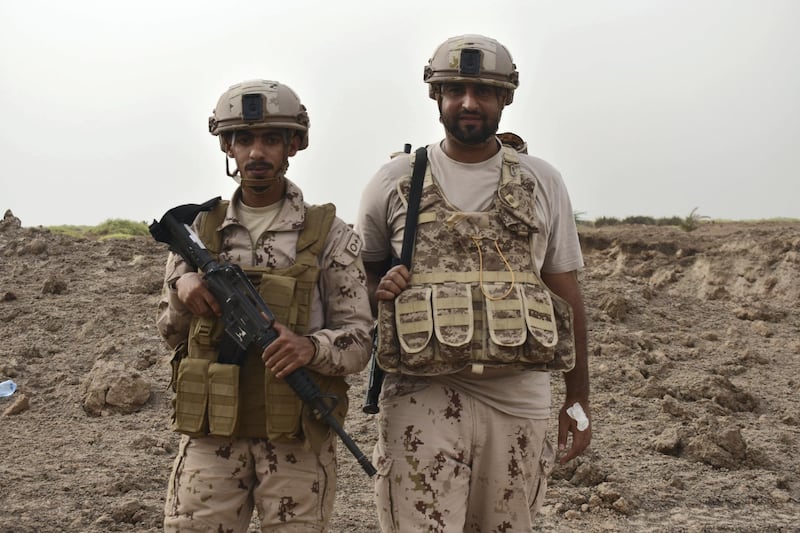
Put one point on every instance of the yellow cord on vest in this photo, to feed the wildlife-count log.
(477, 242)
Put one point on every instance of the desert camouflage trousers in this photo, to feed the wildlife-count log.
(450, 464)
(217, 482)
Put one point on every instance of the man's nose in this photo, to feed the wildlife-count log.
(257, 149)
(470, 99)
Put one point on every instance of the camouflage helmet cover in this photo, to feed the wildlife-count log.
(472, 58)
(259, 104)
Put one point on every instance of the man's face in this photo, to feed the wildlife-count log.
(261, 156)
(470, 112)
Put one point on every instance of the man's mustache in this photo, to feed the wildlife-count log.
(259, 166)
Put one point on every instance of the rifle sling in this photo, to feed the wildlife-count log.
(414, 196)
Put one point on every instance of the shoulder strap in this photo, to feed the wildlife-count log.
(318, 222)
(317, 225)
(208, 224)
(414, 195)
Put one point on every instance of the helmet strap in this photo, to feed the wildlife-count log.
(268, 182)
(265, 183)
(228, 169)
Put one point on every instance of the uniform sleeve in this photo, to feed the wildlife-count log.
(173, 318)
(556, 246)
(381, 212)
(563, 248)
(344, 343)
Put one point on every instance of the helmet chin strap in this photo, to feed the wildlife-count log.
(265, 183)
(228, 169)
(260, 186)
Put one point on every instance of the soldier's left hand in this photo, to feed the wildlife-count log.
(580, 439)
(288, 352)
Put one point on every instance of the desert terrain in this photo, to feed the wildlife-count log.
(694, 356)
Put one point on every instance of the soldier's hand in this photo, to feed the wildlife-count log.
(288, 352)
(580, 439)
(393, 283)
(194, 294)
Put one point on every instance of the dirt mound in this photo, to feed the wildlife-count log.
(695, 357)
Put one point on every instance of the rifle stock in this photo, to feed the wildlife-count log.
(374, 386)
(248, 320)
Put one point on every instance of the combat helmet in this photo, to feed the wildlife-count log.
(259, 103)
(472, 58)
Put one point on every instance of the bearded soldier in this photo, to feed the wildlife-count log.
(490, 305)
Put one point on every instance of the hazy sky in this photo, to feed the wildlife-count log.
(646, 107)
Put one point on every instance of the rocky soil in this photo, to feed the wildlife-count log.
(695, 364)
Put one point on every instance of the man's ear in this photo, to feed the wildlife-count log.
(294, 145)
(226, 142)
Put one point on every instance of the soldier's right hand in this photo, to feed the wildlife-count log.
(194, 294)
(392, 283)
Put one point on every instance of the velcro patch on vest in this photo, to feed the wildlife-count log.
(349, 250)
(353, 245)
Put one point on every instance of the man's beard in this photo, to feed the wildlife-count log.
(471, 135)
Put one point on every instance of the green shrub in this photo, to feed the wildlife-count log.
(671, 221)
(117, 226)
(110, 229)
(692, 221)
(579, 220)
(606, 221)
(647, 221)
(72, 231)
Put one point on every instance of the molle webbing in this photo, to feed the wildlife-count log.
(475, 297)
(242, 402)
(293, 307)
(209, 223)
(288, 291)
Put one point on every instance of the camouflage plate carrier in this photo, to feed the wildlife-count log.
(475, 298)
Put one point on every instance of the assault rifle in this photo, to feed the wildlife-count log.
(248, 321)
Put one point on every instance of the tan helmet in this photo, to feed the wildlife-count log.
(472, 58)
(259, 103)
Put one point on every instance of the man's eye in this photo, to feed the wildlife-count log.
(244, 139)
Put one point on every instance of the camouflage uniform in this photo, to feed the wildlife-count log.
(216, 482)
(464, 451)
(450, 463)
(465, 402)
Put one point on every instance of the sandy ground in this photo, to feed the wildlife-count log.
(695, 364)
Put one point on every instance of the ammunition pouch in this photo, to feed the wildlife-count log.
(244, 399)
(444, 328)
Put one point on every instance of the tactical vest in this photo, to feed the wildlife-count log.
(475, 297)
(246, 400)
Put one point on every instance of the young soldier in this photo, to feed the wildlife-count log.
(490, 304)
(269, 453)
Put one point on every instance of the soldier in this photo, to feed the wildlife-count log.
(490, 304)
(269, 452)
